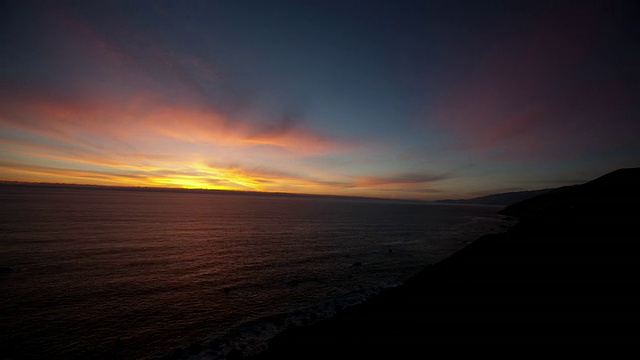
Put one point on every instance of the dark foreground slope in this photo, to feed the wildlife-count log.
(563, 282)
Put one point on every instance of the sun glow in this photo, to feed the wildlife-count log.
(201, 176)
(183, 181)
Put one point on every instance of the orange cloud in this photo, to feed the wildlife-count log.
(31, 173)
(133, 113)
(145, 118)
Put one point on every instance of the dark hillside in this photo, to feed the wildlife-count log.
(563, 281)
(499, 199)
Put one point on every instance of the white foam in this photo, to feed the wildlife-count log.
(253, 337)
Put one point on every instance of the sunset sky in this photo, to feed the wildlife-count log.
(396, 99)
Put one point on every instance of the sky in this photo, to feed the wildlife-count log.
(395, 99)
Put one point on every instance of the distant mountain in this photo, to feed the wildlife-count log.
(499, 199)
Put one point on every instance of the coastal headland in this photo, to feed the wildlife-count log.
(562, 282)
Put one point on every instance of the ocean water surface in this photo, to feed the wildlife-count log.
(92, 272)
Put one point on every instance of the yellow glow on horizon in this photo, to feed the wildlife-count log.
(206, 177)
(175, 165)
(193, 177)
(147, 142)
(185, 182)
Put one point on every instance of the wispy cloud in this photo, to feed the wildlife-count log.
(220, 97)
(401, 179)
(131, 80)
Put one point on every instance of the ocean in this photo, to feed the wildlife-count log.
(93, 272)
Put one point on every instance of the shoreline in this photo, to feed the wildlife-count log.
(563, 280)
(253, 338)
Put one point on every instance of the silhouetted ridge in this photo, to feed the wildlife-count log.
(562, 280)
(605, 199)
(498, 199)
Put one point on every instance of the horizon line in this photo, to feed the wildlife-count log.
(204, 190)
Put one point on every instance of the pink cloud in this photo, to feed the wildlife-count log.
(147, 119)
(523, 102)
(123, 97)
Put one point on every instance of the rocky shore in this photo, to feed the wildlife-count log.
(562, 282)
